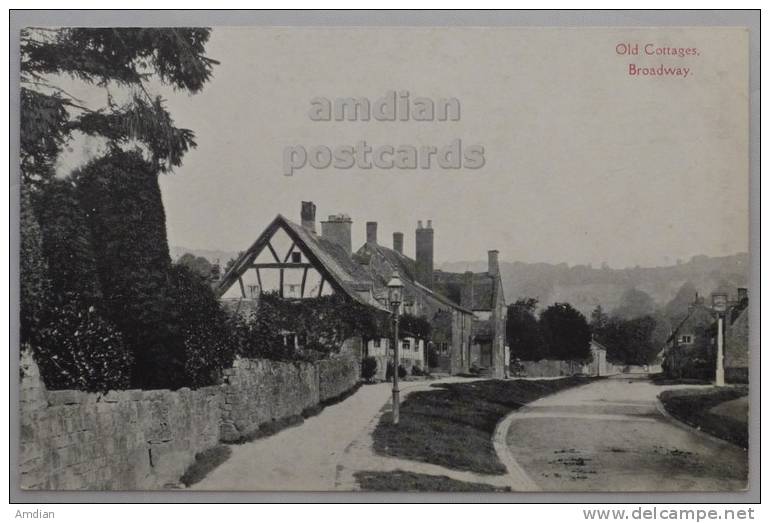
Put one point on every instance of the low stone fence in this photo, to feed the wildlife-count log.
(144, 440)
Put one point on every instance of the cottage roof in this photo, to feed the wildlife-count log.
(329, 258)
(405, 266)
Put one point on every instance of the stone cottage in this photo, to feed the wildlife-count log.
(466, 311)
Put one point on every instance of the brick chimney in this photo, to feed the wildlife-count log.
(424, 253)
(398, 242)
(493, 263)
(308, 216)
(371, 232)
(337, 229)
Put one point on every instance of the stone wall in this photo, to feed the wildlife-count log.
(144, 440)
(124, 440)
(336, 376)
(259, 391)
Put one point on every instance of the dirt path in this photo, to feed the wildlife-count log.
(610, 436)
(308, 457)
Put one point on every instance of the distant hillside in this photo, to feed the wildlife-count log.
(585, 287)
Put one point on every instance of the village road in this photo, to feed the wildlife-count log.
(610, 436)
(305, 457)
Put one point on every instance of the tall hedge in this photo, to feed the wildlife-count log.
(120, 196)
(67, 245)
(34, 281)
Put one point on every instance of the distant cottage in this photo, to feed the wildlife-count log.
(466, 311)
(691, 349)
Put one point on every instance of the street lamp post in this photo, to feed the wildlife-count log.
(719, 304)
(395, 297)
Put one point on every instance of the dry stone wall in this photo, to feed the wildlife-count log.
(144, 440)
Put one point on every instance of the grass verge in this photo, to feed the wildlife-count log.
(693, 407)
(204, 463)
(401, 481)
(453, 425)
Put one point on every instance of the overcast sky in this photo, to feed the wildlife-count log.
(584, 164)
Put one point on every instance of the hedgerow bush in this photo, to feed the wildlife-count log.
(78, 349)
(368, 368)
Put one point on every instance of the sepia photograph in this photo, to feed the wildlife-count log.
(391, 259)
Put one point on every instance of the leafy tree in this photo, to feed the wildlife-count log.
(123, 58)
(630, 342)
(599, 320)
(198, 264)
(566, 333)
(523, 331)
(634, 304)
(413, 326)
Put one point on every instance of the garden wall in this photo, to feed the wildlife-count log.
(144, 440)
(122, 440)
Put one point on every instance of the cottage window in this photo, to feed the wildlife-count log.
(296, 257)
(405, 345)
(376, 343)
(686, 338)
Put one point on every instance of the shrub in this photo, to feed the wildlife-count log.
(417, 371)
(389, 371)
(368, 368)
(80, 350)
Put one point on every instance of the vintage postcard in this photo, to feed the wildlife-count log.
(392, 259)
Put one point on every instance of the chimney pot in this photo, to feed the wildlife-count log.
(430, 224)
(307, 214)
(371, 232)
(419, 224)
(398, 242)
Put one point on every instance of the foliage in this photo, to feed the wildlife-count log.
(369, 368)
(207, 345)
(523, 331)
(67, 245)
(629, 342)
(124, 212)
(310, 328)
(34, 283)
(389, 371)
(106, 57)
(634, 303)
(204, 463)
(198, 264)
(413, 326)
(78, 349)
(566, 333)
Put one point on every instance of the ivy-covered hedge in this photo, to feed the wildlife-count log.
(307, 329)
(102, 248)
